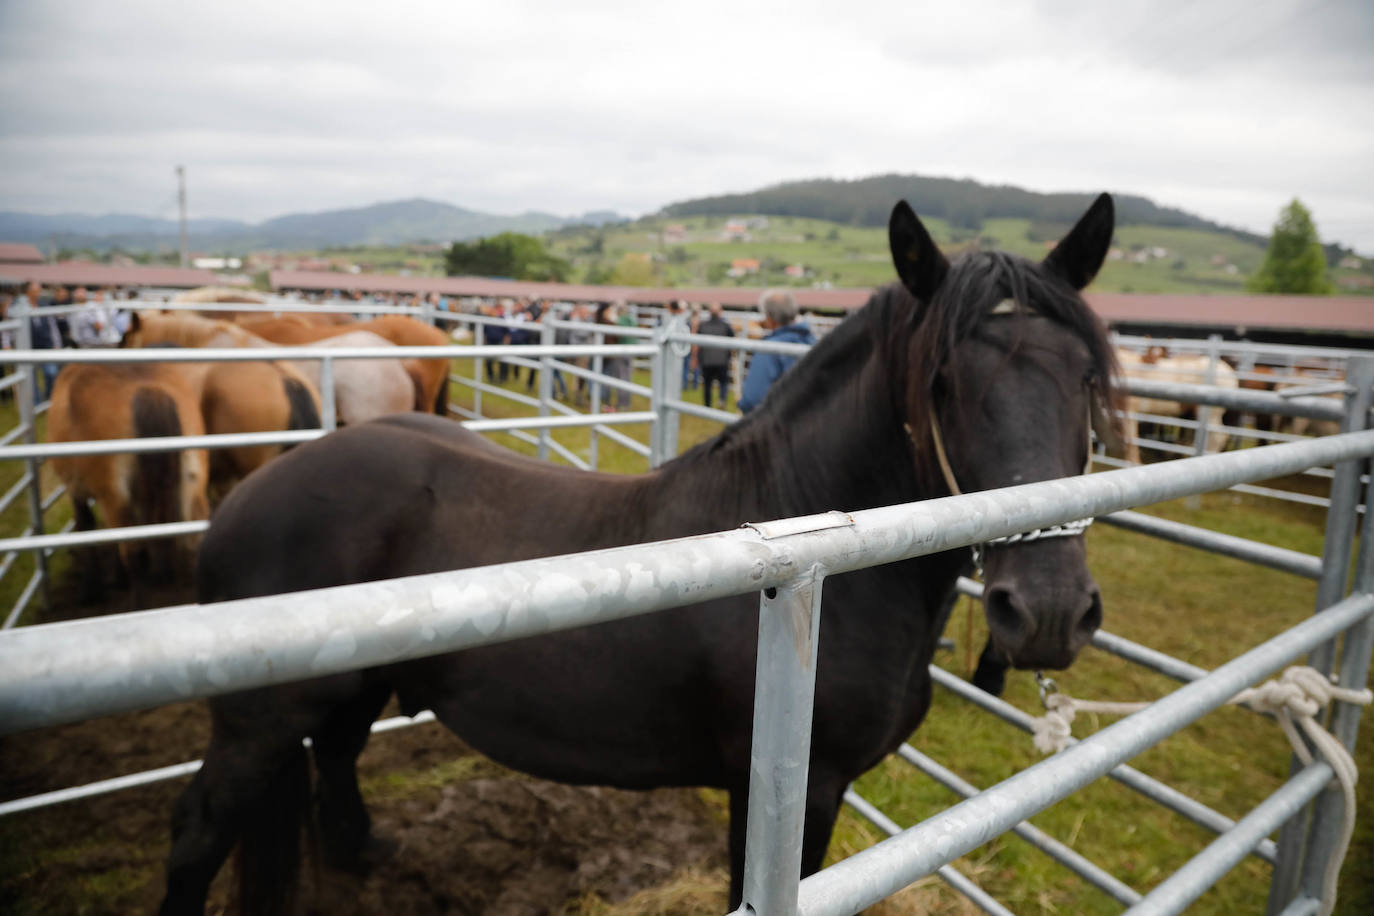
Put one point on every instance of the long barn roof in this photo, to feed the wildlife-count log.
(1324, 313)
(19, 253)
(85, 273)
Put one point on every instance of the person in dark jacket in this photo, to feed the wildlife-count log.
(779, 309)
(45, 333)
(494, 335)
(714, 362)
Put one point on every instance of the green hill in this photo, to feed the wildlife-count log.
(698, 250)
(962, 203)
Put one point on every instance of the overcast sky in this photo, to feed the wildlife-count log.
(1226, 108)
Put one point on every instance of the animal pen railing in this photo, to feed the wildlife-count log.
(1293, 369)
(63, 672)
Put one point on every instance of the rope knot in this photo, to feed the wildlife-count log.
(1295, 698)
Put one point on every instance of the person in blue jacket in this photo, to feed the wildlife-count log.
(779, 309)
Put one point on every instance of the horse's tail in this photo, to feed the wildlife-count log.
(270, 849)
(304, 414)
(441, 397)
(155, 482)
(417, 381)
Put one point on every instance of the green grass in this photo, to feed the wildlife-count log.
(858, 256)
(1202, 608)
(15, 520)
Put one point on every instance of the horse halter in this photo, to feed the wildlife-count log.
(1066, 530)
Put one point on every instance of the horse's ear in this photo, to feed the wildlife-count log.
(1079, 255)
(918, 262)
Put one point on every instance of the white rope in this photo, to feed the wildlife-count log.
(1295, 698)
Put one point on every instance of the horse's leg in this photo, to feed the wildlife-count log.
(1132, 433)
(242, 780)
(991, 673)
(1216, 438)
(345, 827)
(92, 558)
(739, 822)
(824, 795)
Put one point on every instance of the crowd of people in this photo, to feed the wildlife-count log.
(704, 367)
(97, 320)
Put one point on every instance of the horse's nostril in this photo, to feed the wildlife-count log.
(1006, 618)
(1092, 619)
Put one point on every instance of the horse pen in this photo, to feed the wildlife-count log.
(1230, 762)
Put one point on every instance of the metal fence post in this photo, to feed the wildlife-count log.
(784, 695)
(546, 338)
(27, 394)
(675, 354)
(1341, 519)
(1329, 807)
(1209, 379)
(479, 366)
(329, 415)
(658, 369)
(598, 367)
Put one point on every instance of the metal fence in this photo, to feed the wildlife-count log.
(61, 672)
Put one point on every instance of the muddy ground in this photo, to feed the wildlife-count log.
(469, 836)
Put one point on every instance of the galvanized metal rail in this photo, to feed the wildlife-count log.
(797, 576)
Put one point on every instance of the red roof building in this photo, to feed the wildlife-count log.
(1344, 314)
(86, 273)
(19, 253)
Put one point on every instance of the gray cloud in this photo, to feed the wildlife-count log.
(1224, 107)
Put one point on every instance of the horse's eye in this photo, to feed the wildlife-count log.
(1090, 378)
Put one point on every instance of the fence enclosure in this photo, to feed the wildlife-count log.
(64, 672)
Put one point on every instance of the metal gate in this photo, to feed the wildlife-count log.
(66, 672)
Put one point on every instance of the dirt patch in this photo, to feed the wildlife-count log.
(469, 836)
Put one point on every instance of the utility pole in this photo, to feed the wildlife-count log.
(181, 205)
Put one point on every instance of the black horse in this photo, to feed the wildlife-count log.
(998, 353)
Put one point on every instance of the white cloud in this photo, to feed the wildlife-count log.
(1222, 107)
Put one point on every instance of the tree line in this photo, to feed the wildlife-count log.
(963, 203)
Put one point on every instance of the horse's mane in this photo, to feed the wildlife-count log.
(881, 364)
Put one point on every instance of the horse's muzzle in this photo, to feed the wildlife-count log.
(1047, 633)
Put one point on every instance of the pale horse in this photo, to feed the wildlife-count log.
(1155, 364)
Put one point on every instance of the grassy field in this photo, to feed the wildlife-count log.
(1201, 608)
(1195, 606)
(698, 252)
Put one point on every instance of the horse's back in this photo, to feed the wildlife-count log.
(402, 495)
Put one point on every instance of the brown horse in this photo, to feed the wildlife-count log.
(95, 402)
(363, 389)
(430, 375)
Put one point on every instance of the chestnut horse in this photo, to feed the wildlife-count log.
(430, 375)
(364, 389)
(95, 402)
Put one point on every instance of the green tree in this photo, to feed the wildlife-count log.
(634, 269)
(1295, 262)
(597, 274)
(510, 254)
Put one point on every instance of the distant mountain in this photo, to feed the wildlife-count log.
(35, 227)
(964, 203)
(392, 223)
